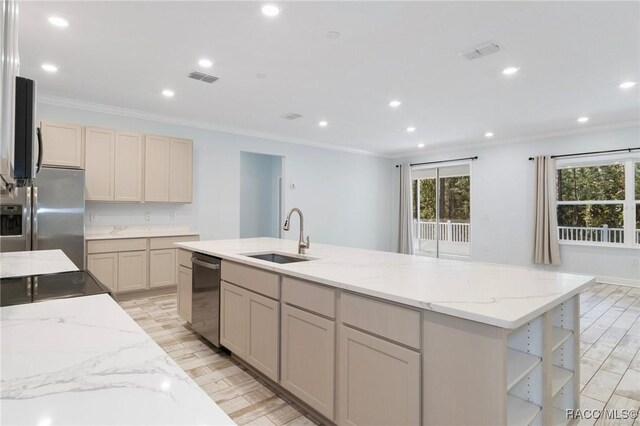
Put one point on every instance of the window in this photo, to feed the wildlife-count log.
(599, 201)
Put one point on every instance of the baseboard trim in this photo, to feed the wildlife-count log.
(145, 293)
(617, 281)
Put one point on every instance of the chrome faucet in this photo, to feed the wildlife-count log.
(302, 244)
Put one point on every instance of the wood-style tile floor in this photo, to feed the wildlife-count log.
(609, 350)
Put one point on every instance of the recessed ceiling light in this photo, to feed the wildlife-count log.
(168, 93)
(205, 63)
(510, 70)
(58, 21)
(270, 10)
(583, 119)
(394, 103)
(420, 145)
(488, 135)
(333, 35)
(411, 129)
(628, 84)
(49, 67)
(322, 123)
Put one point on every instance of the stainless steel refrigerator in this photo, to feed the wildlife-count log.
(49, 214)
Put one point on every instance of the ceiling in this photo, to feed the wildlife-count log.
(572, 57)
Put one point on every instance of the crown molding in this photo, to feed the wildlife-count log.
(440, 148)
(169, 119)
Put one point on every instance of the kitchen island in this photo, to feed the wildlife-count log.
(367, 337)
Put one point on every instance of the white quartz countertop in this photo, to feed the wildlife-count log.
(499, 295)
(118, 232)
(84, 361)
(37, 262)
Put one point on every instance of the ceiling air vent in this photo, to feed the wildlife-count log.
(291, 116)
(196, 75)
(481, 50)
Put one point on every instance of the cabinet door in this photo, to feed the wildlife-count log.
(156, 168)
(184, 293)
(379, 381)
(99, 163)
(263, 330)
(233, 318)
(62, 144)
(128, 167)
(308, 358)
(162, 267)
(105, 267)
(181, 171)
(132, 270)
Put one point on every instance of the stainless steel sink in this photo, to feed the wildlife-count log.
(277, 258)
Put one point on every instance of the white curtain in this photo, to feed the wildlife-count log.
(546, 249)
(405, 240)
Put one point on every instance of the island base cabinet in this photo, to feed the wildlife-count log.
(379, 381)
(307, 368)
(184, 292)
(263, 343)
(233, 318)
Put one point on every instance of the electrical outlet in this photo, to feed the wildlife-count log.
(634, 261)
(172, 216)
(147, 217)
(92, 217)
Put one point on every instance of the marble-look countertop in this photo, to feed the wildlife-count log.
(117, 232)
(84, 361)
(37, 262)
(499, 295)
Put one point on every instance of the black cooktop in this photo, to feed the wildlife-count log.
(38, 288)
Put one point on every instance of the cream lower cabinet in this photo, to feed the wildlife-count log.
(132, 270)
(263, 344)
(308, 358)
(105, 267)
(379, 381)
(184, 292)
(162, 267)
(233, 318)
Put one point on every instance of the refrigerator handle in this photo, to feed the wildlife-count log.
(40, 149)
(27, 215)
(34, 221)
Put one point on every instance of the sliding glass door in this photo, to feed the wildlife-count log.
(442, 210)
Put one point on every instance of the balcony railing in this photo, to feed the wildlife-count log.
(457, 232)
(593, 234)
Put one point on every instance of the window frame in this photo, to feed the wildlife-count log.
(629, 203)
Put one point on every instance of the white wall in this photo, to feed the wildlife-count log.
(502, 204)
(259, 204)
(344, 196)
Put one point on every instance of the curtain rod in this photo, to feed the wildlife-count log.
(441, 161)
(609, 151)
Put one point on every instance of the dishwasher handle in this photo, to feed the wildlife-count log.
(204, 264)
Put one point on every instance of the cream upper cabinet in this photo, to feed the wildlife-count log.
(128, 166)
(99, 162)
(157, 161)
(62, 144)
(181, 171)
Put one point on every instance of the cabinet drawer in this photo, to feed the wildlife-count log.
(184, 258)
(167, 242)
(312, 297)
(384, 319)
(253, 279)
(110, 246)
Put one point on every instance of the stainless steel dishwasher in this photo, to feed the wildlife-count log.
(205, 297)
